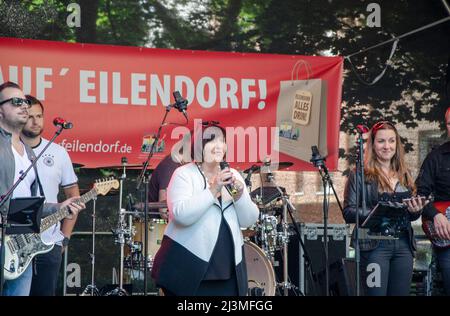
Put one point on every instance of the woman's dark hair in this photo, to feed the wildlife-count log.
(203, 134)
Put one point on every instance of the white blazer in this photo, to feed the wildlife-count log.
(195, 214)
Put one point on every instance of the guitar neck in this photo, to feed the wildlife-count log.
(50, 220)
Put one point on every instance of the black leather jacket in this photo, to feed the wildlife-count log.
(434, 178)
(372, 198)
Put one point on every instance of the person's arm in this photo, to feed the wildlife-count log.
(69, 223)
(350, 207)
(162, 196)
(425, 184)
(69, 183)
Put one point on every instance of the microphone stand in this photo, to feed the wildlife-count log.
(143, 178)
(359, 175)
(319, 162)
(4, 198)
(121, 233)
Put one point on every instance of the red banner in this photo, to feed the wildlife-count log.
(116, 98)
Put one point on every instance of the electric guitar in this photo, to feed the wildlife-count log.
(22, 248)
(428, 225)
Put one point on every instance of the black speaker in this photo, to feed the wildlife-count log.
(342, 278)
(310, 281)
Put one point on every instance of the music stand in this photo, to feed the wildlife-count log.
(24, 216)
(383, 221)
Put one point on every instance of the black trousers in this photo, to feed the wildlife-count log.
(388, 269)
(214, 288)
(443, 256)
(45, 272)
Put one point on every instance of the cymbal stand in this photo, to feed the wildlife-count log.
(284, 236)
(91, 287)
(121, 233)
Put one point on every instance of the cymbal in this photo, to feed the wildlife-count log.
(281, 165)
(77, 165)
(127, 166)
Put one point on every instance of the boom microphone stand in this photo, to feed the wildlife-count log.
(181, 105)
(361, 129)
(4, 198)
(319, 162)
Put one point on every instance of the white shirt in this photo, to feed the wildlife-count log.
(21, 164)
(55, 169)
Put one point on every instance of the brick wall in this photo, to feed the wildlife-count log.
(305, 188)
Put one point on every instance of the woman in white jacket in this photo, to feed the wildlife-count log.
(202, 249)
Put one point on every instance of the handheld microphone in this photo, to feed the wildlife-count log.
(362, 129)
(62, 122)
(230, 188)
(180, 103)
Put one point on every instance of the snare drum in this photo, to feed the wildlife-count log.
(259, 270)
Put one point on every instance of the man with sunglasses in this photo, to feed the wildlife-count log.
(55, 170)
(434, 178)
(15, 157)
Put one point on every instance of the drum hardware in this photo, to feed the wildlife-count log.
(268, 234)
(121, 166)
(283, 238)
(91, 287)
(257, 169)
(122, 234)
(285, 285)
(155, 234)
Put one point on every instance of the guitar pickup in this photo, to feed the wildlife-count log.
(12, 266)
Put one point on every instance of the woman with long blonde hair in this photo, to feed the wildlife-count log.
(387, 264)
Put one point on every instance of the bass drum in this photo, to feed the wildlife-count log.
(260, 273)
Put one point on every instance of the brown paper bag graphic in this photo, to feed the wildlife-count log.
(302, 115)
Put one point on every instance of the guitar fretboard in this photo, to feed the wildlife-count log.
(64, 212)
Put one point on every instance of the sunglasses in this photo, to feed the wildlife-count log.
(17, 102)
(210, 123)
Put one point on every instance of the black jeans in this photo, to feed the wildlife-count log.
(390, 268)
(45, 272)
(443, 256)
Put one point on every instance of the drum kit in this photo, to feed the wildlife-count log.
(262, 241)
(268, 236)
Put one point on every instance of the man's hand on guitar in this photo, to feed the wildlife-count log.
(442, 226)
(74, 204)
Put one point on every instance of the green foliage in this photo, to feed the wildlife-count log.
(412, 89)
